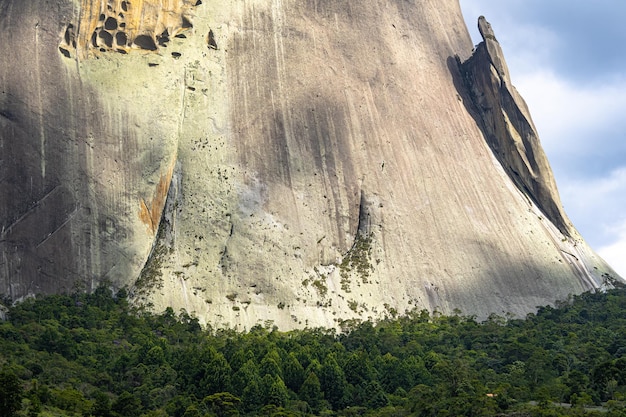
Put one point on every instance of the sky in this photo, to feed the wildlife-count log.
(567, 58)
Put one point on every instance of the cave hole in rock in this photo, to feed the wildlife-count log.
(122, 25)
(107, 38)
(186, 23)
(211, 40)
(94, 39)
(181, 36)
(163, 38)
(110, 23)
(176, 54)
(125, 6)
(101, 18)
(69, 34)
(198, 3)
(110, 8)
(121, 39)
(121, 51)
(65, 52)
(145, 42)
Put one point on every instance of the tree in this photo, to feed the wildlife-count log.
(423, 401)
(388, 367)
(451, 374)
(35, 406)
(293, 373)
(11, 393)
(126, 405)
(217, 375)
(223, 404)
(581, 400)
(178, 405)
(253, 395)
(246, 373)
(102, 405)
(311, 392)
(577, 383)
(357, 368)
(376, 397)
(333, 381)
(154, 356)
(277, 393)
(271, 364)
(192, 411)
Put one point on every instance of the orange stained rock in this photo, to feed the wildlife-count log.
(150, 211)
(122, 25)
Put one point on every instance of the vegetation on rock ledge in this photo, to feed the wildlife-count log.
(357, 260)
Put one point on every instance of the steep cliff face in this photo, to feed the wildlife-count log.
(300, 162)
(86, 161)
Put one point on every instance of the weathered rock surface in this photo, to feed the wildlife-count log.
(300, 163)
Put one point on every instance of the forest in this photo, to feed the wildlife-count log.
(96, 355)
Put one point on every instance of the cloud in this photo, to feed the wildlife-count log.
(582, 129)
(615, 253)
(582, 41)
(578, 117)
(575, 119)
(596, 207)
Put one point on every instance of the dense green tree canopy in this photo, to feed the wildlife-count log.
(10, 393)
(94, 355)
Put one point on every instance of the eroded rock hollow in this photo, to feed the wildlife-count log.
(297, 162)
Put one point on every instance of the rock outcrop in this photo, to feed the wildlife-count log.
(298, 163)
(508, 127)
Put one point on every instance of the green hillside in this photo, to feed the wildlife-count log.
(94, 355)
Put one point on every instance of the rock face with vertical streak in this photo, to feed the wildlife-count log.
(294, 162)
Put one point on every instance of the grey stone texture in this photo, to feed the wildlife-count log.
(291, 163)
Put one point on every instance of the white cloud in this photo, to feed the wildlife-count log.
(597, 189)
(525, 44)
(596, 207)
(571, 117)
(615, 253)
(527, 48)
(582, 129)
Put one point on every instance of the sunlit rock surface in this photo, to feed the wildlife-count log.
(298, 162)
